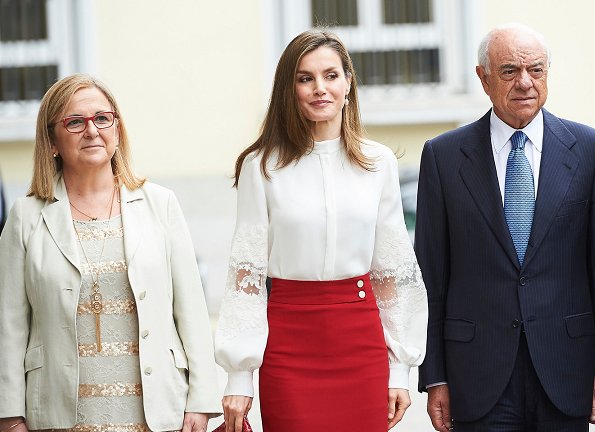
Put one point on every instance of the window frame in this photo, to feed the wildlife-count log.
(70, 45)
(455, 31)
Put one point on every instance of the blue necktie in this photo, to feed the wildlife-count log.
(519, 195)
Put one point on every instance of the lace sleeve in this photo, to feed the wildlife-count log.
(398, 287)
(242, 330)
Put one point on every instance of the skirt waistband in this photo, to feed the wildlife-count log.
(350, 290)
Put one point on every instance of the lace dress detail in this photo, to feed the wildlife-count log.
(243, 309)
(399, 290)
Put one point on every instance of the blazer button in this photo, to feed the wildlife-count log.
(148, 370)
(361, 294)
(360, 283)
(523, 281)
(516, 323)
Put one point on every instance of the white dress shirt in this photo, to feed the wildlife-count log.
(321, 218)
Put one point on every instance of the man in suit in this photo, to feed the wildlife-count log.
(505, 239)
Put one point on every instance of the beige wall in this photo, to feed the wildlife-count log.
(188, 77)
(407, 141)
(16, 161)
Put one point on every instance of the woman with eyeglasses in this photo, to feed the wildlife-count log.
(319, 211)
(103, 321)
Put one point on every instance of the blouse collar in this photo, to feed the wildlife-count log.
(328, 146)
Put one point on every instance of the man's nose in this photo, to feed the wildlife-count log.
(524, 80)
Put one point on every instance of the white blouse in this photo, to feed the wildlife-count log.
(321, 218)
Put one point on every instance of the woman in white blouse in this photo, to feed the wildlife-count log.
(319, 211)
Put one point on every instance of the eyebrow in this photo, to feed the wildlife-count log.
(80, 115)
(516, 66)
(332, 68)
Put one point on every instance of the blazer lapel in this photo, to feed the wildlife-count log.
(478, 172)
(132, 221)
(558, 167)
(58, 219)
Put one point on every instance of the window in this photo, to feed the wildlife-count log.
(334, 12)
(407, 54)
(40, 42)
(407, 11)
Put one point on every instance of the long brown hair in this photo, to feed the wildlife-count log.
(285, 130)
(52, 107)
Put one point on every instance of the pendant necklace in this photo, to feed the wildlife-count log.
(91, 218)
(96, 298)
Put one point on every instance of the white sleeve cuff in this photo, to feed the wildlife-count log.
(239, 383)
(399, 376)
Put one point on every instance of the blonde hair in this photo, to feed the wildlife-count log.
(285, 130)
(53, 105)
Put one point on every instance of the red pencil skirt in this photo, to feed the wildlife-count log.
(325, 366)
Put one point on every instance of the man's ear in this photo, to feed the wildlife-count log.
(483, 77)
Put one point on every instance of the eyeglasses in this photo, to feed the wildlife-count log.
(77, 124)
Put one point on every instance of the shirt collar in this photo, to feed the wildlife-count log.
(501, 132)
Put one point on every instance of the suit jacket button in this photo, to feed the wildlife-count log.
(523, 280)
(516, 323)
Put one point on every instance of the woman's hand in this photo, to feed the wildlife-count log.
(235, 408)
(195, 422)
(398, 402)
(13, 424)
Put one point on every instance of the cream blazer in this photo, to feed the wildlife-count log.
(40, 280)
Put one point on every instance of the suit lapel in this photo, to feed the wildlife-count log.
(558, 166)
(58, 219)
(478, 172)
(132, 205)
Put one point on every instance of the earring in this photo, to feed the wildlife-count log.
(346, 101)
(55, 155)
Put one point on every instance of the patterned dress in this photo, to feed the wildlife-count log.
(110, 392)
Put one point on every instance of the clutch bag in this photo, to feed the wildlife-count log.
(245, 427)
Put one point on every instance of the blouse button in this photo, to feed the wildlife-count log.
(142, 295)
(149, 370)
(360, 283)
(361, 294)
(145, 334)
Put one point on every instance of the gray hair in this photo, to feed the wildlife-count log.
(483, 59)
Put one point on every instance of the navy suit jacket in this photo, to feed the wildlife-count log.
(480, 298)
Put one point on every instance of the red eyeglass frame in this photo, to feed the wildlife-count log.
(86, 121)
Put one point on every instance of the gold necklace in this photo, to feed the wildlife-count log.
(91, 218)
(96, 298)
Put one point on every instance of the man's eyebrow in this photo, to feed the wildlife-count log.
(509, 66)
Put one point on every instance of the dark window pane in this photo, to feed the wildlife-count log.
(407, 11)
(403, 67)
(356, 59)
(9, 20)
(334, 12)
(26, 83)
(33, 18)
(425, 67)
(23, 20)
(11, 84)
